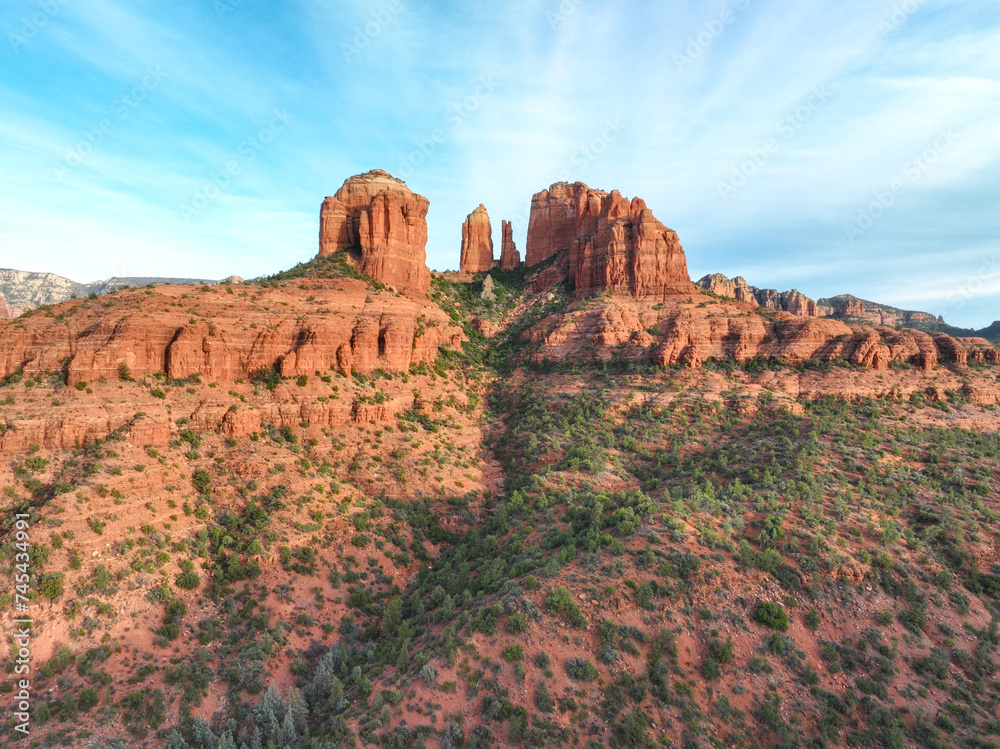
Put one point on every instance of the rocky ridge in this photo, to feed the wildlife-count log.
(737, 288)
(225, 336)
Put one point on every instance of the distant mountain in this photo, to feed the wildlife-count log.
(22, 290)
(844, 307)
(849, 307)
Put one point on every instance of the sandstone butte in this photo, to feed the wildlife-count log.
(384, 226)
(510, 258)
(612, 244)
(4, 311)
(477, 242)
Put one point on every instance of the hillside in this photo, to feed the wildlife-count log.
(909, 318)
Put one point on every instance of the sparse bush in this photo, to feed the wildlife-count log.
(771, 615)
(581, 669)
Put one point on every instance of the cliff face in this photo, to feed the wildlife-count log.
(477, 242)
(384, 224)
(613, 245)
(231, 336)
(510, 258)
(4, 311)
(731, 288)
(690, 331)
(554, 220)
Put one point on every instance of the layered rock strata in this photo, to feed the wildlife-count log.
(690, 331)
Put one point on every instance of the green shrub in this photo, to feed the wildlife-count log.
(581, 669)
(50, 585)
(543, 700)
(517, 623)
(561, 601)
(771, 615)
(188, 580)
(513, 653)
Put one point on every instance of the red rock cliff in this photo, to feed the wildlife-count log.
(554, 220)
(384, 224)
(613, 245)
(477, 242)
(510, 258)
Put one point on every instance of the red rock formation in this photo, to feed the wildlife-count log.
(850, 308)
(342, 327)
(554, 220)
(871, 313)
(5, 313)
(510, 258)
(613, 245)
(737, 288)
(477, 242)
(384, 224)
(689, 331)
(623, 248)
(799, 304)
(787, 301)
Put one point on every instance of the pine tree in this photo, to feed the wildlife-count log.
(295, 706)
(336, 692)
(270, 711)
(286, 735)
(203, 734)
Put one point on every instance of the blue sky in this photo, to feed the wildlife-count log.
(831, 147)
